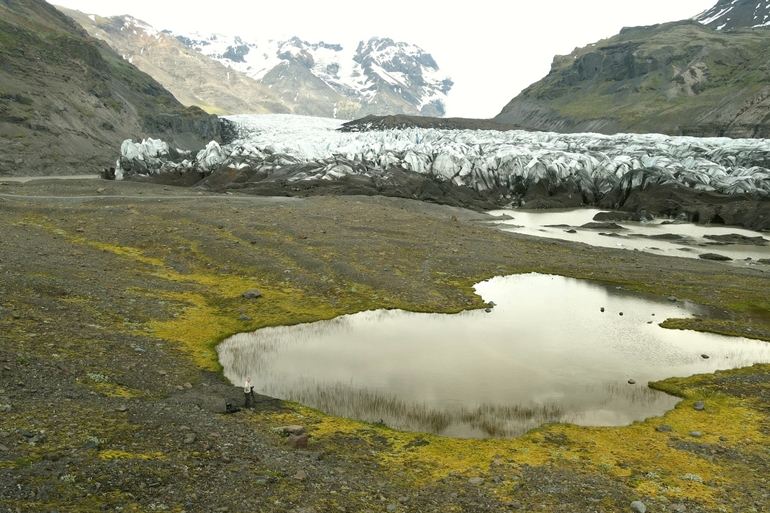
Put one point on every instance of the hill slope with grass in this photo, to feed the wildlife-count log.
(67, 101)
(678, 78)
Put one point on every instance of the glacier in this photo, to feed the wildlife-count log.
(508, 167)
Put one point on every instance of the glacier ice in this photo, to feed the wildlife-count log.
(591, 164)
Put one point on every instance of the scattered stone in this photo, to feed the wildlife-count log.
(488, 310)
(571, 231)
(476, 481)
(25, 433)
(391, 507)
(252, 294)
(190, 438)
(699, 406)
(188, 385)
(672, 299)
(705, 356)
(3, 448)
(696, 434)
(301, 475)
(677, 508)
(631, 382)
(297, 442)
(244, 318)
(121, 409)
(601, 309)
(638, 507)
(714, 256)
(620, 314)
(100, 190)
(663, 429)
(162, 372)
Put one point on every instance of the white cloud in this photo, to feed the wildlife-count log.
(491, 49)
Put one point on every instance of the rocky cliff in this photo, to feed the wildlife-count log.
(67, 101)
(676, 78)
(232, 74)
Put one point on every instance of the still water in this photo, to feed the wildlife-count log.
(546, 352)
(660, 236)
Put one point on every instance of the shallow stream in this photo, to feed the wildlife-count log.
(660, 236)
(545, 353)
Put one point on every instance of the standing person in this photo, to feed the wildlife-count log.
(248, 392)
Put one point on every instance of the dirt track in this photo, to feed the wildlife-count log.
(112, 300)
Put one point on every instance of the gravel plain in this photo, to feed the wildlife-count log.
(114, 295)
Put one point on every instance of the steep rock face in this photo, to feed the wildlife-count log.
(193, 78)
(731, 14)
(379, 76)
(67, 101)
(676, 78)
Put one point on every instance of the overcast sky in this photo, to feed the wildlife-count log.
(491, 49)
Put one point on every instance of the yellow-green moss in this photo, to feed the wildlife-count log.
(123, 455)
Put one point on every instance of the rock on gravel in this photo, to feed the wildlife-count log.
(638, 507)
(714, 256)
(290, 430)
(297, 442)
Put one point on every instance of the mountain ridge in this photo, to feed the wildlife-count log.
(733, 14)
(67, 101)
(230, 74)
(678, 78)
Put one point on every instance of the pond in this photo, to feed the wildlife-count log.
(546, 352)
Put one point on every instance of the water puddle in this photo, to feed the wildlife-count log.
(25, 179)
(660, 236)
(545, 353)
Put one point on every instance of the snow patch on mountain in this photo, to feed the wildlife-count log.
(731, 14)
(358, 73)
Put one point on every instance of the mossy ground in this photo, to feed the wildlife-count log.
(112, 307)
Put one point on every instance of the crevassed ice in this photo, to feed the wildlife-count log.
(484, 159)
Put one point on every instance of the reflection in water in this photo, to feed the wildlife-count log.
(546, 352)
(487, 420)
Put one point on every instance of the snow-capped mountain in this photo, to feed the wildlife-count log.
(379, 76)
(231, 75)
(731, 14)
